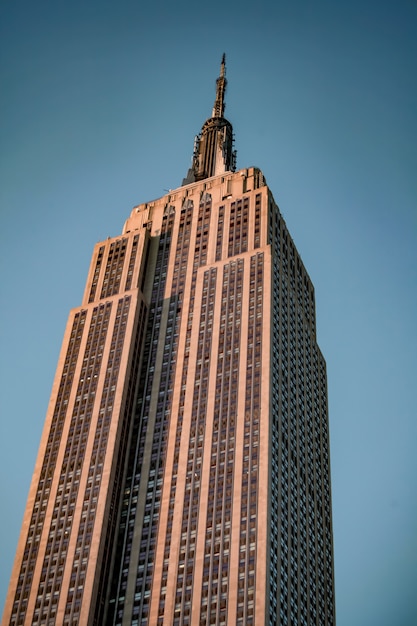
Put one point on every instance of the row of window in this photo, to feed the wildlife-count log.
(47, 471)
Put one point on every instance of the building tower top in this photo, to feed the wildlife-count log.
(213, 147)
(221, 83)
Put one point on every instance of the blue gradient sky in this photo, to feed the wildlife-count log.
(100, 103)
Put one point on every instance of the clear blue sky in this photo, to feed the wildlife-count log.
(100, 102)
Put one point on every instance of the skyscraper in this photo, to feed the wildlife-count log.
(183, 475)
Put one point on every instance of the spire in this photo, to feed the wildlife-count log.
(213, 147)
(221, 83)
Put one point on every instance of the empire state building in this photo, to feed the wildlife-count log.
(183, 475)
